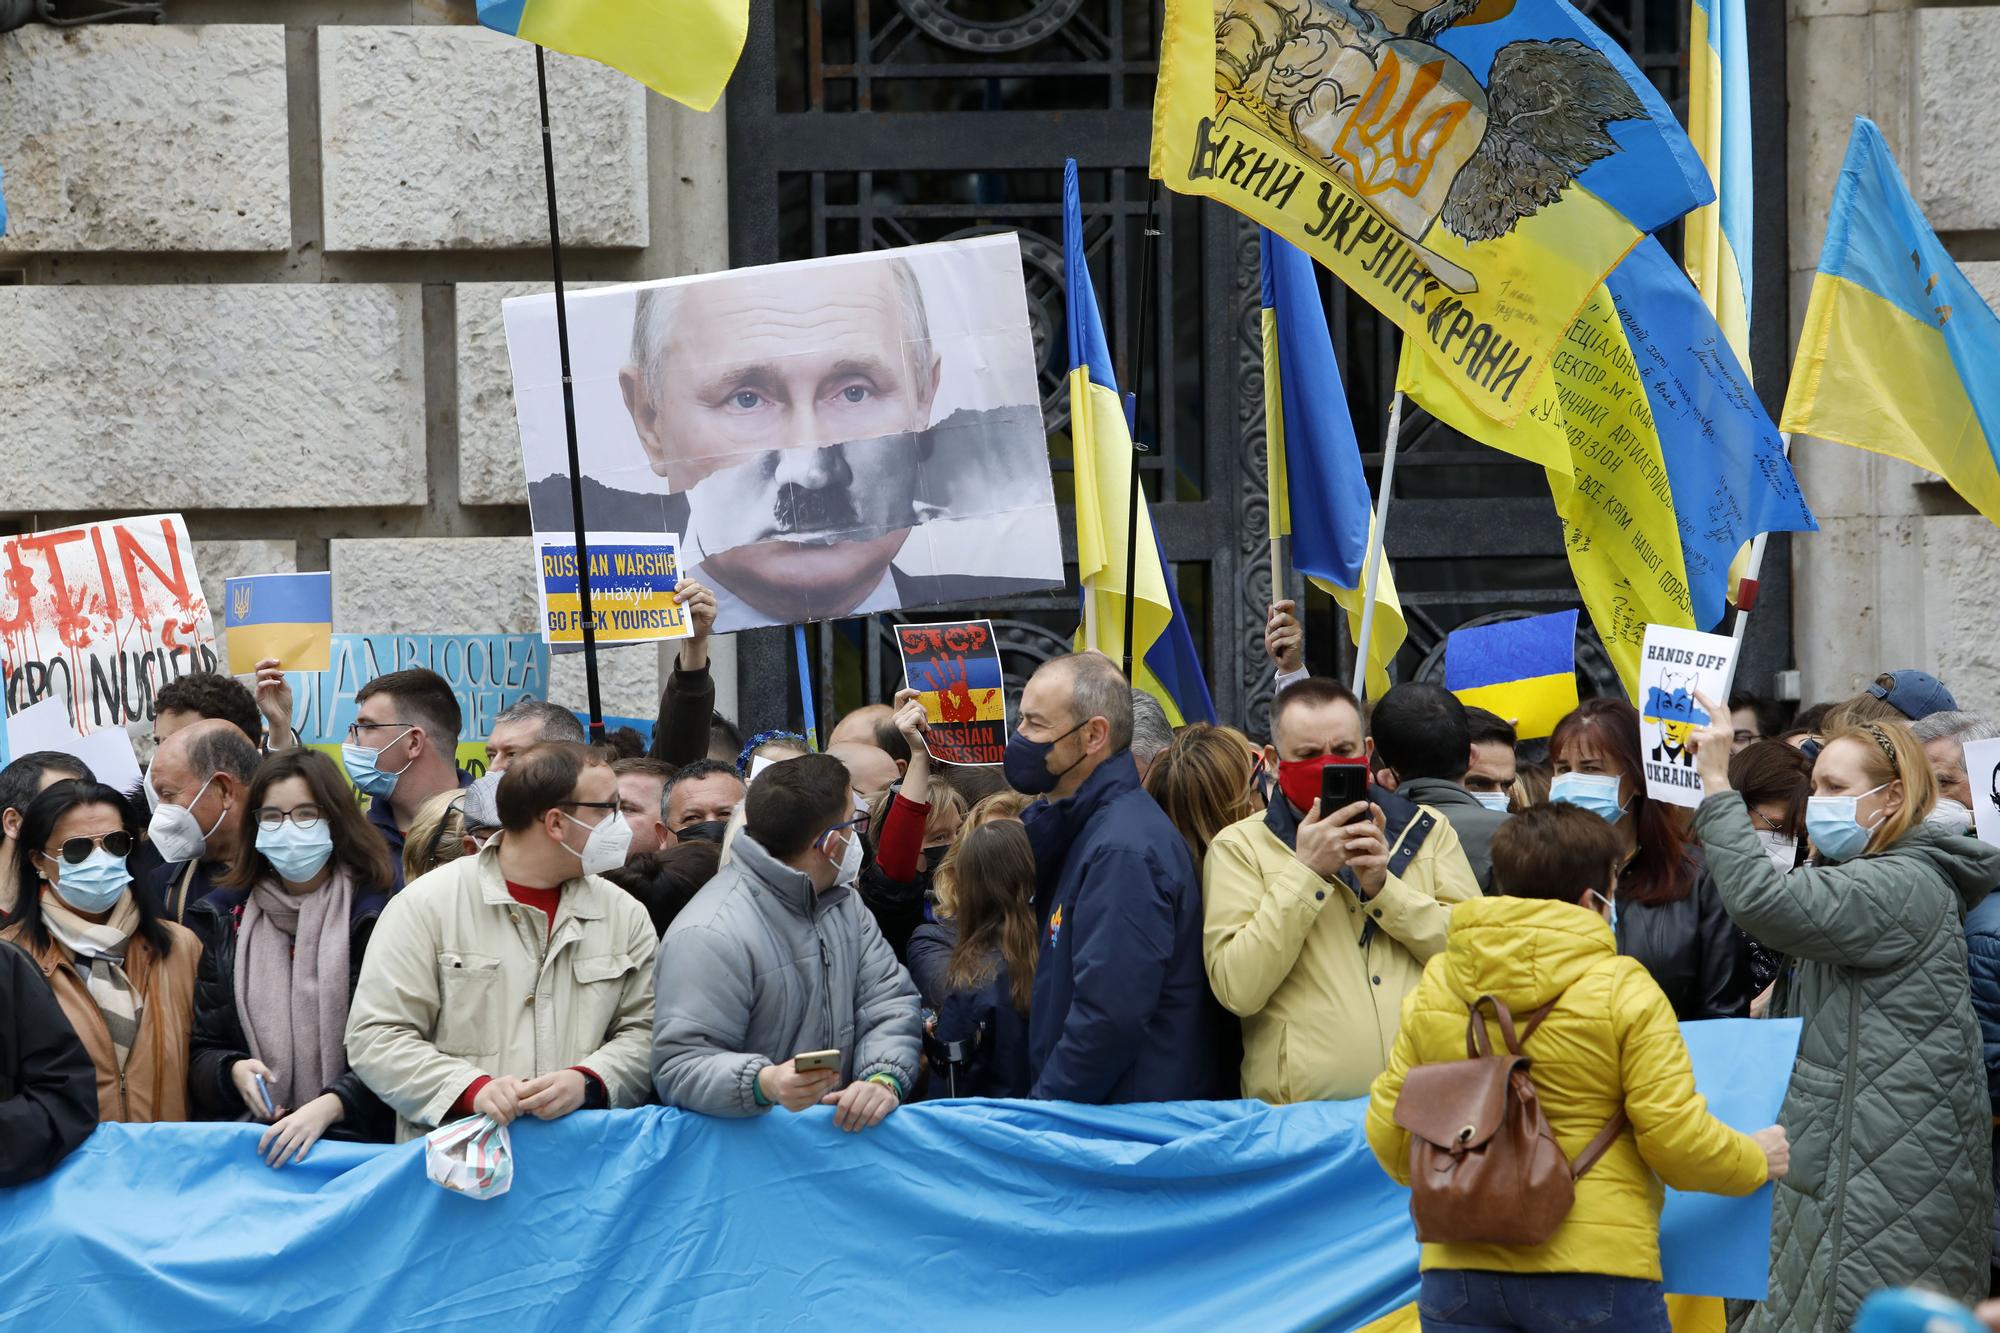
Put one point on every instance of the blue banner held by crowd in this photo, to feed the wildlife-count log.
(985, 1214)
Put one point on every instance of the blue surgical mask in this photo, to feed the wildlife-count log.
(1492, 800)
(359, 761)
(1595, 792)
(95, 884)
(1833, 827)
(296, 853)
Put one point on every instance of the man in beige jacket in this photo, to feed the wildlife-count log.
(1316, 923)
(514, 982)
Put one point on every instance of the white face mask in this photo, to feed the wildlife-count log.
(1950, 815)
(848, 868)
(607, 844)
(1493, 800)
(1780, 847)
(175, 832)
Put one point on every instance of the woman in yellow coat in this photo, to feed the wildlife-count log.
(1610, 1041)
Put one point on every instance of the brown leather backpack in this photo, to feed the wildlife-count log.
(1484, 1166)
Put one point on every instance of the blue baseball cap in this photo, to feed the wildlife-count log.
(1914, 694)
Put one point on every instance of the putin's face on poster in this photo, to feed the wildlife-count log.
(832, 437)
(792, 406)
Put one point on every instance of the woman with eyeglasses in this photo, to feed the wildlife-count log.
(124, 978)
(289, 929)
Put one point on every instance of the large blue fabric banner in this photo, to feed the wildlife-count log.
(960, 1215)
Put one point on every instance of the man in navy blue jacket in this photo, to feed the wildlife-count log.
(1122, 1010)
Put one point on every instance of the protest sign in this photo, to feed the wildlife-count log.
(1675, 665)
(955, 668)
(488, 672)
(632, 580)
(286, 617)
(826, 438)
(107, 752)
(101, 615)
(1523, 670)
(1982, 774)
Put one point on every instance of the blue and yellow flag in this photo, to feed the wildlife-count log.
(1164, 662)
(683, 49)
(288, 617)
(1318, 491)
(1718, 235)
(1899, 355)
(1524, 670)
(1660, 458)
(1472, 171)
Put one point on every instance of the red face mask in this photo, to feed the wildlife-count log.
(1300, 779)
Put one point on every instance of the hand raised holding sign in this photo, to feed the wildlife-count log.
(1712, 743)
(912, 722)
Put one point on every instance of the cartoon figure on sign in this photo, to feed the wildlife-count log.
(1362, 87)
(1670, 706)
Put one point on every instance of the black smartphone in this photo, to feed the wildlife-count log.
(1342, 784)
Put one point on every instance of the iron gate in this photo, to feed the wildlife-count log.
(860, 124)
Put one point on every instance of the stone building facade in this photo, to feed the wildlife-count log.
(1903, 572)
(257, 253)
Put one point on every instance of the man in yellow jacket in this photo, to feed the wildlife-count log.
(1314, 929)
(1609, 1043)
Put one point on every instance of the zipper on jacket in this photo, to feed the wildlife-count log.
(825, 967)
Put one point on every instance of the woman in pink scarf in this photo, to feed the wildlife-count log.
(289, 928)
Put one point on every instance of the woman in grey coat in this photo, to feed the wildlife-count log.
(1887, 1109)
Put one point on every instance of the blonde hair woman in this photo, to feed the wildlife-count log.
(1204, 783)
(1887, 1107)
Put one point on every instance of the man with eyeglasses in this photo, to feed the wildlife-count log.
(518, 981)
(402, 749)
(199, 774)
(778, 959)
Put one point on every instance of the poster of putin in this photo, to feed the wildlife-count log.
(832, 437)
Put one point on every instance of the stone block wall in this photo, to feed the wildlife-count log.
(1900, 574)
(253, 272)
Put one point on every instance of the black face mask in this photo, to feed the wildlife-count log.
(932, 857)
(709, 830)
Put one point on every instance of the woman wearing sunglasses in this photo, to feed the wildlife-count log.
(123, 977)
(289, 928)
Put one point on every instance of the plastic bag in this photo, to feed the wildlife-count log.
(472, 1156)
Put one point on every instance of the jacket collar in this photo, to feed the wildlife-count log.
(791, 888)
(581, 897)
(1054, 825)
(1439, 792)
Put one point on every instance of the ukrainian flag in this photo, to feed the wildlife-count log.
(1164, 662)
(1718, 236)
(1899, 355)
(683, 49)
(1311, 456)
(1660, 458)
(1523, 670)
(284, 616)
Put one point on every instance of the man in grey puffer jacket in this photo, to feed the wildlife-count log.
(776, 957)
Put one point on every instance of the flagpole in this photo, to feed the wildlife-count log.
(569, 417)
(1748, 584)
(1136, 363)
(1376, 536)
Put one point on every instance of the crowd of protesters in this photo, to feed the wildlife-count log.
(1122, 911)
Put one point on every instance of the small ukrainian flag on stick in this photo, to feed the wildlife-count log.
(284, 616)
(1523, 670)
